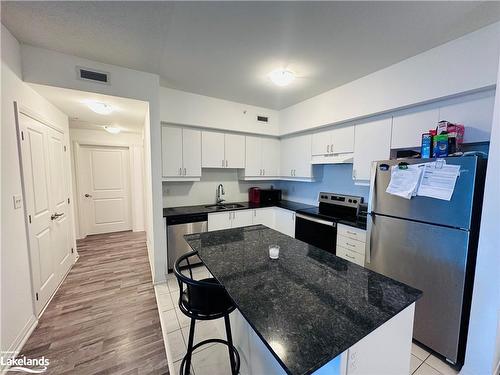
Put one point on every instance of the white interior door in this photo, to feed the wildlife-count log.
(103, 179)
(45, 180)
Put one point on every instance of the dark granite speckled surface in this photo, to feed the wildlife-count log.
(312, 303)
(199, 209)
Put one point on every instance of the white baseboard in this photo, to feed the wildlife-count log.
(20, 340)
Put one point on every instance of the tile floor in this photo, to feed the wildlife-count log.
(213, 359)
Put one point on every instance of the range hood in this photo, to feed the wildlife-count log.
(343, 158)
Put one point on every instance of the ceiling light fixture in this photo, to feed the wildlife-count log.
(281, 77)
(100, 108)
(112, 129)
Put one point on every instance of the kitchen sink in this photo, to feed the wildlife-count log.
(233, 205)
(216, 207)
(224, 206)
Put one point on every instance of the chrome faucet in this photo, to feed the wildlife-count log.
(220, 191)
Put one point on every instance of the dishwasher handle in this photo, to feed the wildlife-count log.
(186, 218)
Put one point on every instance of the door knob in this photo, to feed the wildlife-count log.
(56, 215)
(88, 195)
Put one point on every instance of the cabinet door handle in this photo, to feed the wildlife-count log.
(226, 163)
(294, 172)
(223, 162)
(263, 172)
(353, 174)
(185, 171)
(331, 148)
(328, 149)
(180, 171)
(349, 256)
(291, 172)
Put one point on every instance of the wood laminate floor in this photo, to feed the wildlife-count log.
(104, 318)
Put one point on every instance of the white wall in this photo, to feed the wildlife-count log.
(135, 144)
(183, 108)
(203, 191)
(465, 64)
(52, 68)
(483, 346)
(17, 312)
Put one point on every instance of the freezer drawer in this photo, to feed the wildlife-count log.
(430, 258)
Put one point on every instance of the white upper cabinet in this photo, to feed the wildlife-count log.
(234, 146)
(338, 140)
(181, 153)
(372, 143)
(475, 112)
(171, 148)
(212, 150)
(191, 152)
(342, 139)
(321, 143)
(296, 158)
(408, 127)
(253, 156)
(271, 157)
(262, 157)
(220, 150)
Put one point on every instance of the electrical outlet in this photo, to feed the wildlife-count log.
(18, 201)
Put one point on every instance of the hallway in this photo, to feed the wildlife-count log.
(103, 319)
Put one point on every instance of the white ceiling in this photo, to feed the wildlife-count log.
(226, 49)
(128, 114)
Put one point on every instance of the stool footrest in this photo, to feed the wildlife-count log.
(209, 341)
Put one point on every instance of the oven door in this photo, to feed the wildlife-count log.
(317, 232)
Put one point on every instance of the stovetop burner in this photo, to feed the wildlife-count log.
(335, 207)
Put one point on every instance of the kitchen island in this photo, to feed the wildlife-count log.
(308, 311)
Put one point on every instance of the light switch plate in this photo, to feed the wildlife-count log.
(18, 201)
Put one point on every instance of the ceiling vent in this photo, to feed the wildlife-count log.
(263, 119)
(93, 75)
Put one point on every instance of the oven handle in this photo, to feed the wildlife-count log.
(319, 221)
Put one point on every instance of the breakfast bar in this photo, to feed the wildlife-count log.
(308, 311)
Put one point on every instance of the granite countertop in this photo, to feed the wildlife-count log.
(310, 303)
(201, 209)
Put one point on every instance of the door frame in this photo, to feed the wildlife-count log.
(25, 110)
(83, 229)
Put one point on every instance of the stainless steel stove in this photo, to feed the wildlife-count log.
(318, 226)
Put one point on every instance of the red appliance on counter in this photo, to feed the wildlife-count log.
(254, 195)
(264, 196)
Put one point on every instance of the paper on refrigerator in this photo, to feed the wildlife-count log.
(438, 180)
(404, 182)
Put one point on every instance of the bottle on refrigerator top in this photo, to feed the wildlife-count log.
(426, 149)
(440, 145)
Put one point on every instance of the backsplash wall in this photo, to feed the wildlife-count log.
(203, 192)
(337, 178)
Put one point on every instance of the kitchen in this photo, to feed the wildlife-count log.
(288, 180)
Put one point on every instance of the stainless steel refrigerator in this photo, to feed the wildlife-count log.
(430, 244)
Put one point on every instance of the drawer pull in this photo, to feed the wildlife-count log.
(350, 244)
(350, 256)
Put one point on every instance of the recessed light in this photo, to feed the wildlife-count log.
(99, 107)
(112, 129)
(281, 77)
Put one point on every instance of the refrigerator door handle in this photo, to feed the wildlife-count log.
(371, 198)
(369, 224)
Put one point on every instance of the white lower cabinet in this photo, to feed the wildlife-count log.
(229, 219)
(275, 218)
(265, 216)
(242, 218)
(285, 221)
(351, 243)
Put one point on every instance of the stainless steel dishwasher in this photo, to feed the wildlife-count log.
(177, 227)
